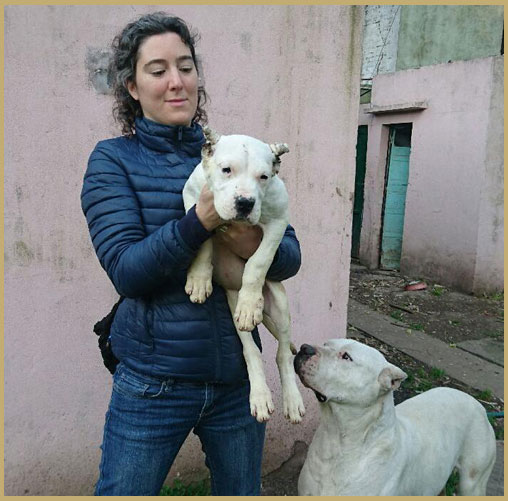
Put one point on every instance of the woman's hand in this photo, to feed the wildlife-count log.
(205, 210)
(241, 239)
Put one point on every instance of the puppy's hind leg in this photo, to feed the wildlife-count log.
(261, 404)
(277, 320)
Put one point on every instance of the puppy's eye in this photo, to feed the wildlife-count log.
(346, 356)
(226, 170)
(264, 177)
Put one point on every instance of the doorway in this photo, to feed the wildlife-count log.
(361, 159)
(394, 200)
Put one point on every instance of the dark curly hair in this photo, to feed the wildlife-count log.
(125, 57)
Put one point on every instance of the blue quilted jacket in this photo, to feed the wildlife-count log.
(132, 200)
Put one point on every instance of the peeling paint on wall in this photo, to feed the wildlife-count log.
(97, 64)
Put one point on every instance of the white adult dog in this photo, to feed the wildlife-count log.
(365, 445)
(241, 171)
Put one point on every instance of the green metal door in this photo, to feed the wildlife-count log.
(361, 158)
(395, 196)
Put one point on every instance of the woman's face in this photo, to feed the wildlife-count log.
(166, 80)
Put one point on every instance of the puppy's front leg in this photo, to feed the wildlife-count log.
(249, 310)
(199, 275)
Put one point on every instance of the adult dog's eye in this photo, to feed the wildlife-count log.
(264, 177)
(226, 170)
(346, 356)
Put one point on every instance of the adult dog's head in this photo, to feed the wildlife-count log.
(345, 371)
(238, 171)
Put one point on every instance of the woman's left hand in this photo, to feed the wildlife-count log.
(241, 239)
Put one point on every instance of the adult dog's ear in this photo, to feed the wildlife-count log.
(391, 377)
(278, 149)
(212, 138)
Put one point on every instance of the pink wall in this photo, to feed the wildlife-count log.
(280, 73)
(454, 205)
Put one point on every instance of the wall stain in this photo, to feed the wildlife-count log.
(246, 42)
(22, 253)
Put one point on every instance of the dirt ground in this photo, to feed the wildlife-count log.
(449, 315)
(438, 311)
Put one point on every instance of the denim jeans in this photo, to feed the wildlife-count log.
(148, 420)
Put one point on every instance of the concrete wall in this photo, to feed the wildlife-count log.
(282, 73)
(380, 37)
(433, 34)
(453, 227)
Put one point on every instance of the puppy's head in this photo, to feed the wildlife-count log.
(345, 371)
(239, 170)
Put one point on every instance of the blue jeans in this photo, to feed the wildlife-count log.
(148, 420)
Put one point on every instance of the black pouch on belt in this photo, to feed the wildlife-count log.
(102, 328)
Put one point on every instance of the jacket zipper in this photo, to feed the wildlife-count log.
(180, 133)
(213, 310)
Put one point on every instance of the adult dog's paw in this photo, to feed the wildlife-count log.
(261, 404)
(249, 310)
(198, 287)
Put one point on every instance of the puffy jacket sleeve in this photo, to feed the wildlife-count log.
(135, 263)
(287, 259)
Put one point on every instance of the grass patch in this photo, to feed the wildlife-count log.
(416, 327)
(496, 296)
(484, 395)
(499, 431)
(436, 373)
(437, 290)
(422, 380)
(495, 335)
(397, 315)
(178, 488)
(452, 485)
(454, 322)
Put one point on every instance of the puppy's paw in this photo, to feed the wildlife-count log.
(198, 287)
(249, 311)
(261, 404)
(294, 409)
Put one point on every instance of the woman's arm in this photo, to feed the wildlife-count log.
(287, 259)
(244, 240)
(135, 263)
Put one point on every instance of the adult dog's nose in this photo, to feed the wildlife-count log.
(244, 205)
(307, 350)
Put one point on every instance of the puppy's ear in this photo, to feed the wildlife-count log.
(391, 377)
(212, 138)
(278, 149)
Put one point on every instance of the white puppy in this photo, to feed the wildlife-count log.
(242, 174)
(365, 445)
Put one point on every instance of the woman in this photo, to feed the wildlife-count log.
(181, 365)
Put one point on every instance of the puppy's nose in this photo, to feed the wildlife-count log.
(307, 350)
(244, 205)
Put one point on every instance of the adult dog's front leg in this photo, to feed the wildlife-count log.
(261, 404)
(199, 275)
(249, 310)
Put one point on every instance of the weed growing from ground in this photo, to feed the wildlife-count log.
(178, 488)
(437, 290)
(397, 315)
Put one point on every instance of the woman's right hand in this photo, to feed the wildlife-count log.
(205, 210)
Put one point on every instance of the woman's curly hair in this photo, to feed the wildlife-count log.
(125, 57)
